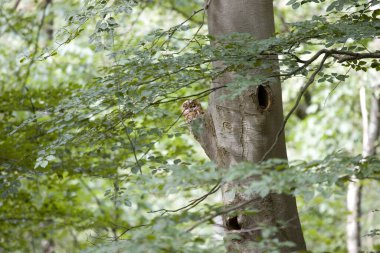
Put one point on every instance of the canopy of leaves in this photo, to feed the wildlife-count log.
(95, 155)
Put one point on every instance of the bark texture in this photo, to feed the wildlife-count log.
(243, 129)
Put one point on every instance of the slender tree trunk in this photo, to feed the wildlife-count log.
(353, 223)
(243, 129)
(370, 134)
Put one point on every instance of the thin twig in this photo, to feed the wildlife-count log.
(334, 88)
(131, 228)
(132, 146)
(298, 100)
(35, 50)
(16, 4)
(33, 55)
(98, 202)
(196, 33)
(192, 203)
(174, 7)
(134, 22)
(349, 56)
(197, 95)
(341, 56)
(306, 63)
(175, 28)
(225, 211)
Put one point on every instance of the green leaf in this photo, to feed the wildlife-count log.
(50, 157)
(296, 6)
(43, 163)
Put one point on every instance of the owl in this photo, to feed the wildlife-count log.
(191, 109)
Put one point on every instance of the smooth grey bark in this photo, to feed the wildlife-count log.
(353, 218)
(243, 129)
(370, 123)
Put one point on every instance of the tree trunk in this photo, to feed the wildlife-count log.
(370, 135)
(353, 223)
(243, 129)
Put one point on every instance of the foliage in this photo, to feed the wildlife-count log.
(94, 148)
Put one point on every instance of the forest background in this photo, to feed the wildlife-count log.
(95, 154)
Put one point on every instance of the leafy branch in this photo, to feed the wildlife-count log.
(193, 203)
(336, 54)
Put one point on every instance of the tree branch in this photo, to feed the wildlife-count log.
(225, 211)
(192, 204)
(349, 56)
(298, 100)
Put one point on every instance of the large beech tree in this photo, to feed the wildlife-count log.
(245, 128)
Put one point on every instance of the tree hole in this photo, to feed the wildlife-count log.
(233, 223)
(264, 97)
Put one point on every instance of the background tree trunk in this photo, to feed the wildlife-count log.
(243, 129)
(370, 124)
